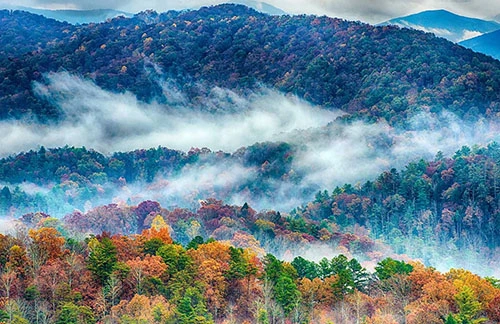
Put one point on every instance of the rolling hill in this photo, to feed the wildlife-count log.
(371, 72)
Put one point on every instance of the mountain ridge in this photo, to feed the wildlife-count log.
(74, 16)
(445, 24)
(370, 72)
(488, 44)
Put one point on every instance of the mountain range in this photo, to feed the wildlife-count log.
(445, 24)
(101, 15)
(159, 160)
(488, 44)
(370, 72)
(74, 16)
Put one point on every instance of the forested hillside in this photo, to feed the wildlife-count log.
(222, 165)
(450, 202)
(49, 276)
(376, 72)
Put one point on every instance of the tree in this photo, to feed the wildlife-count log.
(191, 309)
(159, 229)
(468, 307)
(102, 259)
(74, 314)
(48, 241)
(174, 256)
(389, 267)
(287, 294)
(150, 266)
(7, 278)
(305, 268)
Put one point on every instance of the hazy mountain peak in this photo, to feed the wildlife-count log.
(261, 6)
(488, 44)
(445, 24)
(74, 16)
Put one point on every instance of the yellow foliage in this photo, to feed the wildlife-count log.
(158, 223)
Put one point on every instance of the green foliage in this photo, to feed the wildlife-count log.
(195, 242)
(351, 275)
(152, 246)
(286, 294)
(262, 317)
(305, 268)
(273, 268)
(469, 307)
(175, 257)
(238, 266)
(4, 316)
(102, 259)
(389, 267)
(493, 281)
(191, 309)
(74, 314)
(31, 293)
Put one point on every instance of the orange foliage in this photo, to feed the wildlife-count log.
(159, 229)
(49, 242)
(18, 260)
(427, 312)
(483, 290)
(127, 247)
(381, 318)
(212, 260)
(142, 309)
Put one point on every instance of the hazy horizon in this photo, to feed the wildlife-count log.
(363, 10)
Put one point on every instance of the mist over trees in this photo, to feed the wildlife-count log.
(226, 166)
(371, 72)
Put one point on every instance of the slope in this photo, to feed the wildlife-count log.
(370, 72)
(445, 24)
(488, 44)
(74, 16)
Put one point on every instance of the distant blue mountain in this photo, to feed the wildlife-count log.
(100, 15)
(446, 24)
(260, 6)
(487, 44)
(75, 16)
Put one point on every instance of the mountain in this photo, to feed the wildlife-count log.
(445, 24)
(488, 44)
(23, 33)
(74, 16)
(260, 6)
(381, 72)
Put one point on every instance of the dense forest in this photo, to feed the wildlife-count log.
(263, 232)
(51, 277)
(448, 201)
(73, 177)
(371, 72)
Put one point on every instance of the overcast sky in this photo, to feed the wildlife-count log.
(372, 11)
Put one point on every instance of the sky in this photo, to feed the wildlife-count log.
(371, 11)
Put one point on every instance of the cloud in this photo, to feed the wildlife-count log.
(359, 152)
(111, 122)
(468, 34)
(7, 225)
(328, 153)
(365, 10)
